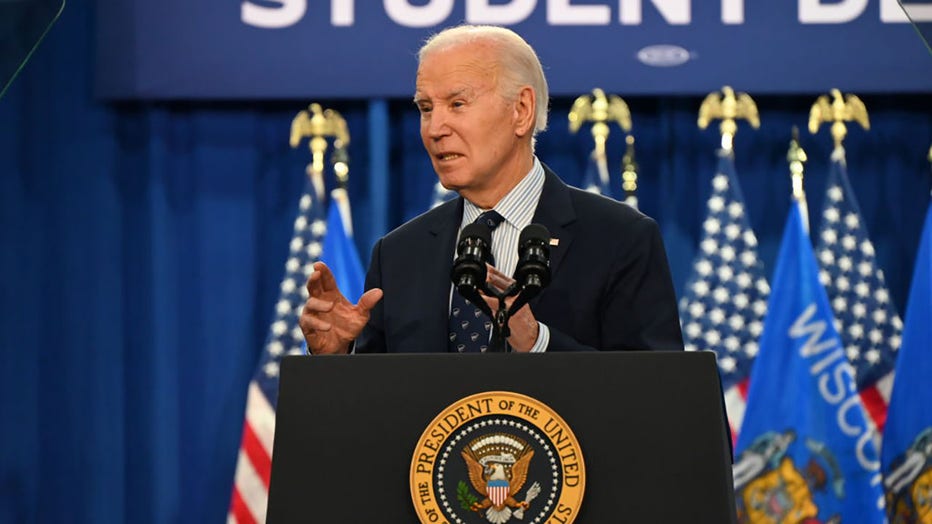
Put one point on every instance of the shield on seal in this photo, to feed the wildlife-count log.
(498, 491)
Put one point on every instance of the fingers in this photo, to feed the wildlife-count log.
(313, 283)
(320, 305)
(310, 323)
(524, 329)
(321, 280)
(327, 281)
(310, 320)
(369, 299)
(492, 302)
(497, 279)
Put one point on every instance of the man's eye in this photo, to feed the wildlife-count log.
(424, 109)
(458, 103)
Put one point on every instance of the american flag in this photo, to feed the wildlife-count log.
(254, 463)
(865, 317)
(725, 300)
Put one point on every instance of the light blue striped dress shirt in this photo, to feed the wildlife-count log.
(517, 208)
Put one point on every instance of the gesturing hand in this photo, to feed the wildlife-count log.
(329, 321)
(523, 325)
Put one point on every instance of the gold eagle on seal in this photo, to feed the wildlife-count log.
(498, 477)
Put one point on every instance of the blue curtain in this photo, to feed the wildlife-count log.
(143, 243)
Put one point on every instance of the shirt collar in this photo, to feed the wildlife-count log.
(518, 206)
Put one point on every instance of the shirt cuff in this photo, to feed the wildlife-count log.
(543, 339)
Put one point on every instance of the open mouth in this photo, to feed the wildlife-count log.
(448, 156)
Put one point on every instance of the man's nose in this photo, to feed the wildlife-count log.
(437, 124)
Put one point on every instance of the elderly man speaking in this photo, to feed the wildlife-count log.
(482, 97)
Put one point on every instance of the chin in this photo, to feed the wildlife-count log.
(451, 182)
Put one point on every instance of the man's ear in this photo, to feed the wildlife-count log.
(525, 111)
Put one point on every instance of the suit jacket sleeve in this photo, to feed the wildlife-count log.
(372, 338)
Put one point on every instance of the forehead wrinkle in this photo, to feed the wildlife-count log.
(477, 74)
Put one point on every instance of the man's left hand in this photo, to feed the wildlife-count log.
(523, 325)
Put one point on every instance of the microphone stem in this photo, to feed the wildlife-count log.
(500, 329)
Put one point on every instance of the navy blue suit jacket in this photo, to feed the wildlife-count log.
(610, 290)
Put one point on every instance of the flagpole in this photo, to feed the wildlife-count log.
(796, 156)
(629, 173)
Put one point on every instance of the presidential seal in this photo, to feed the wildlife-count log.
(494, 457)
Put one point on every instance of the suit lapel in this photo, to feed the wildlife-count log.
(555, 211)
(441, 247)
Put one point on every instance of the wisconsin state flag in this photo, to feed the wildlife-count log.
(907, 441)
(806, 452)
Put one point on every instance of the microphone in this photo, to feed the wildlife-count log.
(532, 273)
(469, 270)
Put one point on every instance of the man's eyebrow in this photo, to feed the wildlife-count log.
(456, 93)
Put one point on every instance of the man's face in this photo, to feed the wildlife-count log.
(471, 132)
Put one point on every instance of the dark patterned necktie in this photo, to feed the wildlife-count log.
(469, 326)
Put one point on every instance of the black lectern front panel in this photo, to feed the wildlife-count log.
(650, 426)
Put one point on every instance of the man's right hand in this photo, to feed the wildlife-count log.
(329, 321)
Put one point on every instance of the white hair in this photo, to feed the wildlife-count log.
(519, 63)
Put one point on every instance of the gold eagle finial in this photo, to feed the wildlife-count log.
(729, 107)
(600, 109)
(317, 124)
(838, 111)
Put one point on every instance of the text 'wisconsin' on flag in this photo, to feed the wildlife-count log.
(807, 451)
(726, 295)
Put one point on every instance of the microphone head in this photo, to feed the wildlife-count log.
(480, 231)
(533, 269)
(534, 233)
(469, 271)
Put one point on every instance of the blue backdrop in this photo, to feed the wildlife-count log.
(143, 243)
(296, 48)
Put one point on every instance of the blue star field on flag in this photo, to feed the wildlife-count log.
(285, 336)
(726, 295)
(867, 320)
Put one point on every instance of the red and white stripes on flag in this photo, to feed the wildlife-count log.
(254, 463)
(249, 500)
